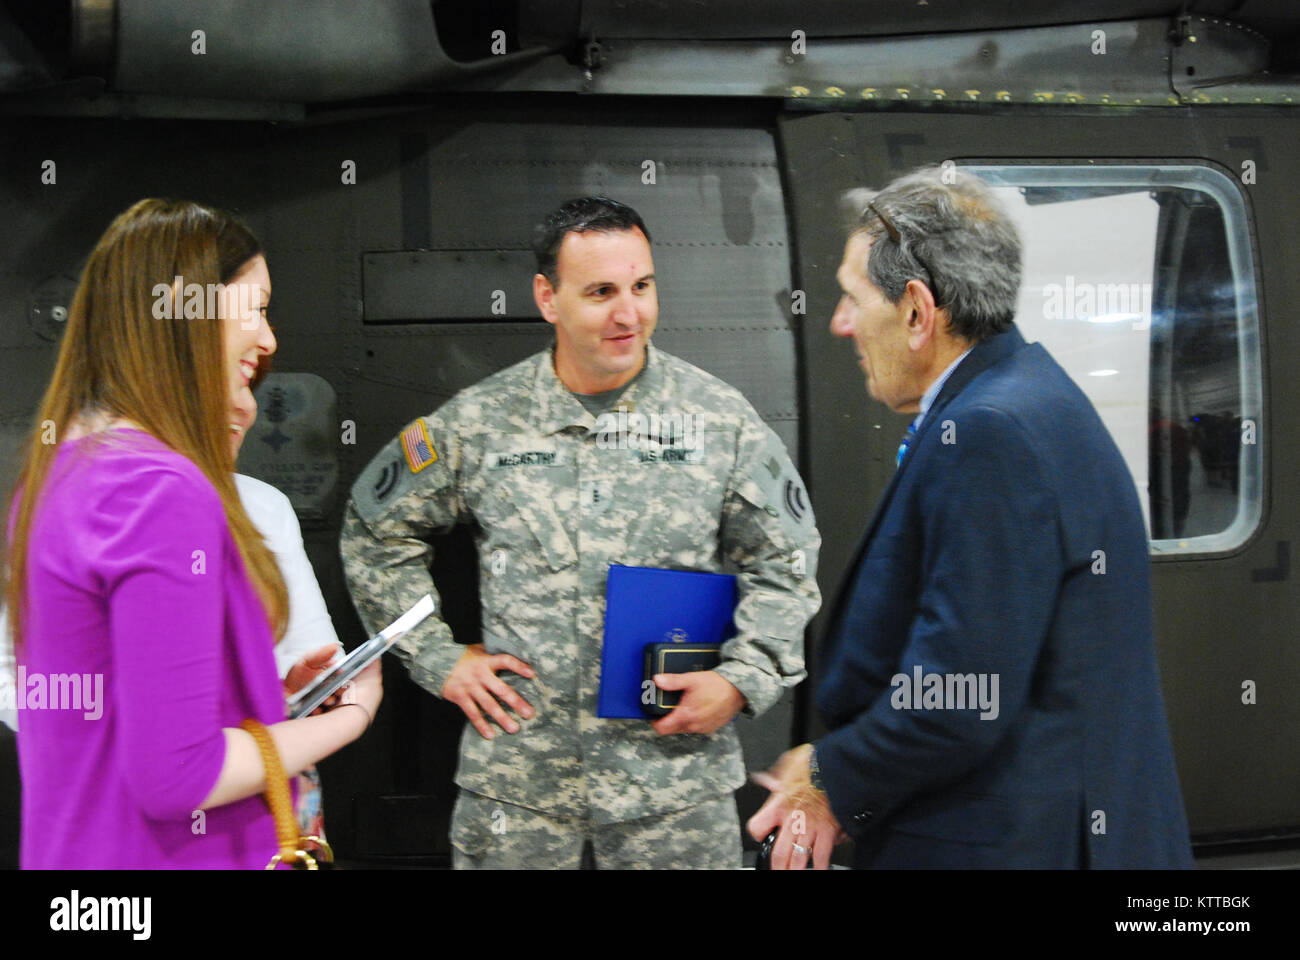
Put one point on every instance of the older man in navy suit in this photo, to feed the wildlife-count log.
(990, 682)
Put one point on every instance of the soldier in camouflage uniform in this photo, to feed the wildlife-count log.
(598, 451)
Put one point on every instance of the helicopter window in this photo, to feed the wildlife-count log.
(1140, 281)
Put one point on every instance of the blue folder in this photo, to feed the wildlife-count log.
(645, 605)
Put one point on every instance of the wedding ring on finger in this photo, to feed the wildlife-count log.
(804, 850)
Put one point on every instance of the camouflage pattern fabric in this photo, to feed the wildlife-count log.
(683, 474)
(487, 834)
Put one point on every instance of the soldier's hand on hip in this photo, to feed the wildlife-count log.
(473, 684)
(708, 703)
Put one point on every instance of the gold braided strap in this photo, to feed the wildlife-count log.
(278, 799)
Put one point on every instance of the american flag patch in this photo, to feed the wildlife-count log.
(418, 447)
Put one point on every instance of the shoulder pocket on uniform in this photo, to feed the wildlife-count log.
(775, 487)
(409, 461)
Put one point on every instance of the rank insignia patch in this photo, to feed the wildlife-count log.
(418, 447)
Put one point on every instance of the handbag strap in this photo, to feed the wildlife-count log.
(277, 793)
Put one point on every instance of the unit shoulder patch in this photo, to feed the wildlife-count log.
(776, 487)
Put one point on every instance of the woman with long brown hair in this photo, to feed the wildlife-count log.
(133, 568)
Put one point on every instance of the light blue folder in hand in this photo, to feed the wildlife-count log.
(645, 605)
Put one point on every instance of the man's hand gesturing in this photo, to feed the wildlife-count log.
(473, 684)
(799, 810)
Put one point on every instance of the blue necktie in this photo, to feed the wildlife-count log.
(907, 442)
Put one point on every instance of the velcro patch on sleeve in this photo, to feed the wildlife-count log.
(780, 490)
(418, 446)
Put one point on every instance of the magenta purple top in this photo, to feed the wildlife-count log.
(134, 578)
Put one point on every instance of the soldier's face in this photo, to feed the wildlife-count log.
(878, 329)
(604, 308)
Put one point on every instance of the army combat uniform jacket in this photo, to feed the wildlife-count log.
(683, 474)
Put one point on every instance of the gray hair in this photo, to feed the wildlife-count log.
(955, 236)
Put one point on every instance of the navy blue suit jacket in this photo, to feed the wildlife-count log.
(1009, 544)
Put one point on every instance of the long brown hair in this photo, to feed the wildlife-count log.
(167, 375)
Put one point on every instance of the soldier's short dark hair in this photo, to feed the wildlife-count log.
(578, 216)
